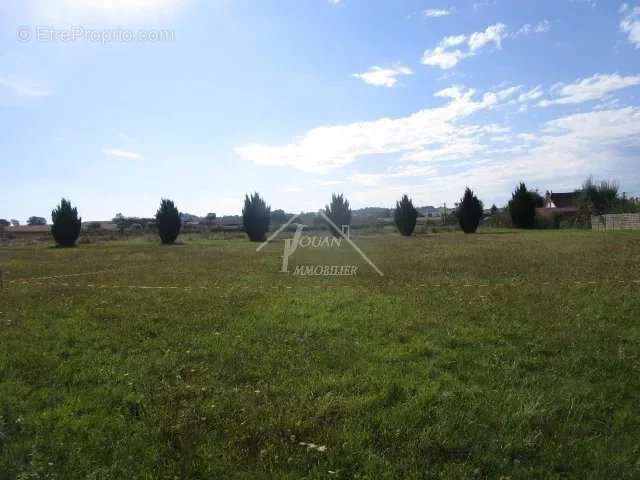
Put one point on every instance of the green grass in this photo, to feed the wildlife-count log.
(481, 356)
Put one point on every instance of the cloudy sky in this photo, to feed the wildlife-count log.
(117, 103)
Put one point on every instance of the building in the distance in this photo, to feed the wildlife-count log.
(566, 203)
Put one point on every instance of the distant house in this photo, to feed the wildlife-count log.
(562, 200)
(27, 232)
(560, 203)
(430, 211)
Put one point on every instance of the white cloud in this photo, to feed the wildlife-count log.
(445, 56)
(383, 77)
(437, 12)
(367, 179)
(524, 30)
(571, 147)
(438, 151)
(23, 88)
(526, 97)
(442, 58)
(527, 29)
(456, 149)
(330, 147)
(543, 27)
(526, 137)
(593, 88)
(455, 92)
(493, 34)
(576, 145)
(630, 24)
(531, 95)
(329, 183)
(596, 127)
(453, 41)
(508, 92)
(413, 171)
(114, 152)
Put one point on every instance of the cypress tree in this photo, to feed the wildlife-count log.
(405, 216)
(339, 212)
(256, 217)
(66, 224)
(522, 207)
(168, 222)
(469, 212)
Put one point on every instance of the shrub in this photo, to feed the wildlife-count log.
(548, 222)
(279, 217)
(405, 216)
(66, 224)
(36, 221)
(256, 217)
(450, 218)
(338, 212)
(599, 197)
(120, 222)
(210, 220)
(168, 222)
(522, 207)
(502, 219)
(469, 212)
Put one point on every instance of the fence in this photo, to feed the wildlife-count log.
(623, 221)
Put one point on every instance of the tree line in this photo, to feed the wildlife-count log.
(595, 198)
(257, 216)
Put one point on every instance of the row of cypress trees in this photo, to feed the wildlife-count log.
(521, 208)
(469, 213)
(256, 214)
(256, 217)
(67, 223)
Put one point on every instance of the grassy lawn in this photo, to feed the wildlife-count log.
(505, 354)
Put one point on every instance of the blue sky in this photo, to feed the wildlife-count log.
(297, 99)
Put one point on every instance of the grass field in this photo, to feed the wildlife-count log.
(505, 354)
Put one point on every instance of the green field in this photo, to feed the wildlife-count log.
(505, 354)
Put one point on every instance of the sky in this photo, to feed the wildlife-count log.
(115, 104)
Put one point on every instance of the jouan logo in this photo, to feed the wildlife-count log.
(302, 241)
